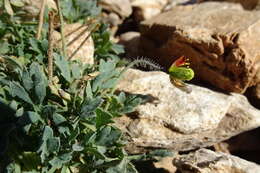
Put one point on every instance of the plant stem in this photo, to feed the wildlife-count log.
(61, 29)
(50, 49)
(141, 61)
(41, 19)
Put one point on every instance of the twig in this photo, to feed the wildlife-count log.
(78, 36)
(61, 29)
(51, 42)
(76, 29)
(41, 18)
(83, 42)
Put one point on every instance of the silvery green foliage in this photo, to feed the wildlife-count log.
(66, 123)
(44, 131)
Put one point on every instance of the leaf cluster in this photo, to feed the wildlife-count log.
(63, 123)
(79, 10)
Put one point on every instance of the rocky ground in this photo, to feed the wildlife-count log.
(221, 39)
(215, 128)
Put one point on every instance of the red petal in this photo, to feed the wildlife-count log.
(180, 61)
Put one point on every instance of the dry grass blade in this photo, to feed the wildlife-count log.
(41, 18)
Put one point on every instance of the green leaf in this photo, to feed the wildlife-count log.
(39, 80)
(106, 66)
(160, 153)
(123, 167)
(17, 90)
(90, 106)
(88, 91)
(77, 147)
(13, 105)
(53, 144)
(47, 134)
(61, 159)
(63, 66)
(4, 47)
(117, 48)
(76, 71)
(58, 119)
(13, 62)
(108, 136)
(28, 118)
(34, 45)
(27, 81)
(103, 118)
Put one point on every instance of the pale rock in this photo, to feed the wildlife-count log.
(144, 9)
(75, 34)
(173, 3)
(221, 39)
(176, 120)
(207, 161)
(32, 7)
(247, 4)
(121, 7)
(165, 164)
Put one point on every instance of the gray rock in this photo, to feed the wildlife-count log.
(207, 161)
(179, 121)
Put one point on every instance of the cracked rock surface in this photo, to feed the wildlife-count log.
(207, 161)
(179, 121)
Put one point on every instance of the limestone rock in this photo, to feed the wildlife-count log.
(121, 7)
(30, 9)
(248, 4)
(173, 3)
(179, 121)
(166, 165)
(75, 35)
(207, 161)
(221, 40)
(144, 9)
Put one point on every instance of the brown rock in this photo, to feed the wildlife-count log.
(221, 40)
(247, 4)
(130, 40)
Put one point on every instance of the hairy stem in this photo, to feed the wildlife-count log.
(41, 19)
(130, 65)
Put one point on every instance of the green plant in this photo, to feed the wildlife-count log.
(62, 123)
(78, 10)
(65, 124)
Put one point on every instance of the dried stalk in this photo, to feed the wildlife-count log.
(51, 43)
(84, 41)
(61, 29)
(41, 19)
(78, 36)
